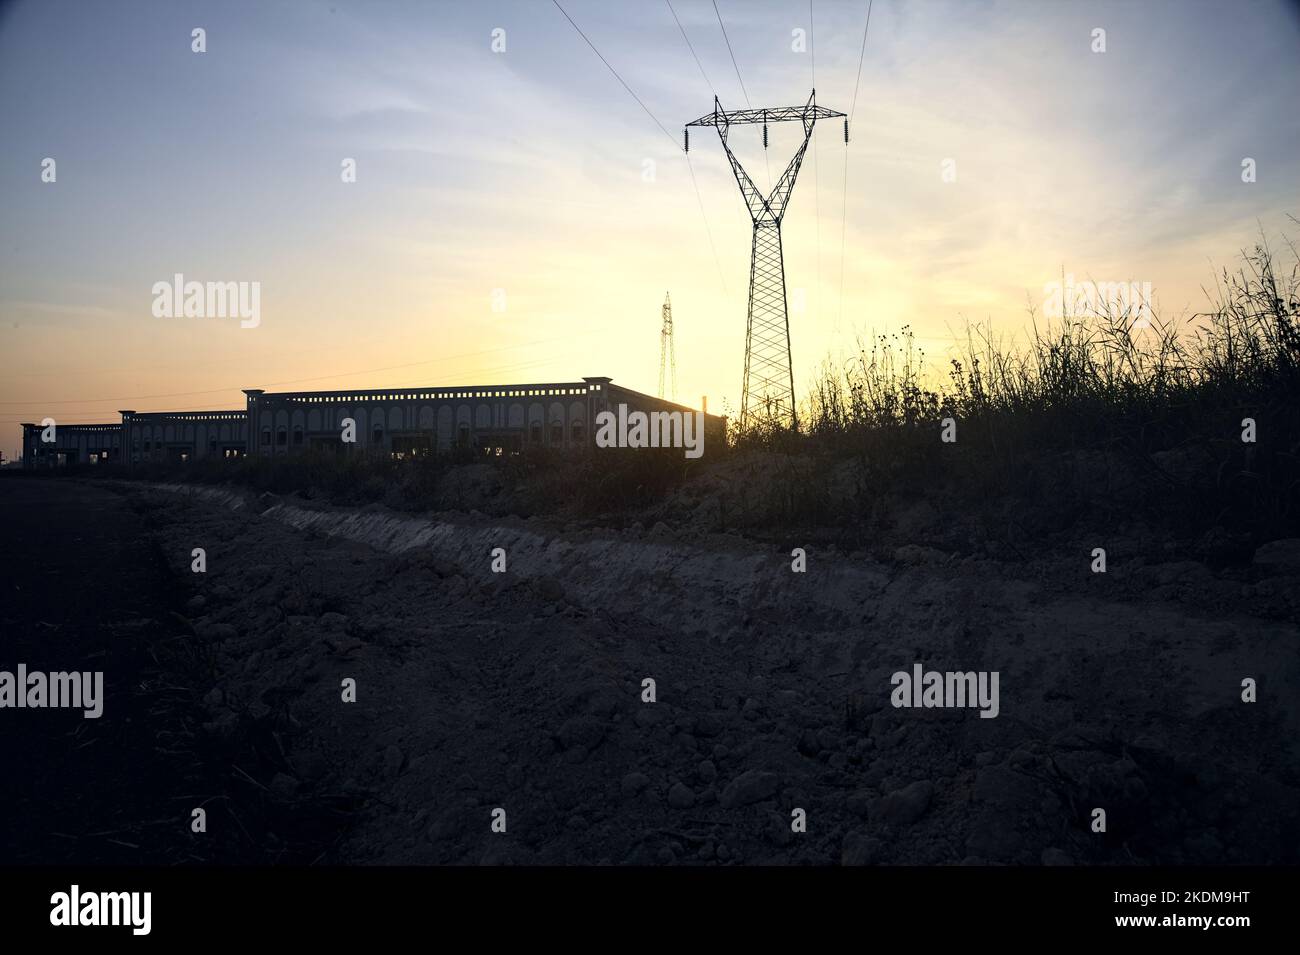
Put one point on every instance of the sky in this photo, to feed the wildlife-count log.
(518, 215)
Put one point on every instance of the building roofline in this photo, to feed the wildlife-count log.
(580, 384)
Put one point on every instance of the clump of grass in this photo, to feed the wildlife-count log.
(1097, 413)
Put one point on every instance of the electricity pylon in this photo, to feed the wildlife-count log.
(667, 354)
(769, 376)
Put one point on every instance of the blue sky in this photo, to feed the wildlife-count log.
(525, 171)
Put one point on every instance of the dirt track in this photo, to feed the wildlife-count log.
(523, 691)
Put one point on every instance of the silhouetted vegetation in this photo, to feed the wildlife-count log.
(1099, 414)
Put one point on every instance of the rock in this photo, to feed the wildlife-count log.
(1279, 555)
(1221, 545)
(916, 554)
(310, 765)
(808, 743)
(778, 829)
(904, 806)
(1180, 571)
(1055, 856)
(1021, 758)
(257, 575)
(332, 622)
(829, 738)
(708, 725)
(196, 603)
(444, 568)
(749, 787)
(648, 715)
(223, 725)
(859, 803)
(1005, 803)
(875, 775)
(217, 632)
(284, 785)
(633, 783)
(550, 589)
(680, 796)
(708, 772)
(858, 848)
(214, 698)
(451, 824)
(580, 731)
(393, 760)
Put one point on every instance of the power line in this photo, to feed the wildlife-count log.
(812, 42)
(700, 199)
(707, 81)
(766, 163)
(861, 56)
(817, 177)
(615, 72)
(729, 50)
(689, 165)
(709, 232)
(844, 207)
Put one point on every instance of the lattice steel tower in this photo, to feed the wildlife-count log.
(769, 378)
(667, 354)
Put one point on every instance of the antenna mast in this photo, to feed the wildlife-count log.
(667, 353)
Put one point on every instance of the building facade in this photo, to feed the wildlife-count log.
(58, 445)
(402, 422)
(184, 435)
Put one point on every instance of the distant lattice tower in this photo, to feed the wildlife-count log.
(667, 354)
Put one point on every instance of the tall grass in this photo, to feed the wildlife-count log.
(1098, 412)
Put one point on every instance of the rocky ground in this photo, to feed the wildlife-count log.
(523, 691)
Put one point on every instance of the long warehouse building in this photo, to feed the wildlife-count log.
(403, 422)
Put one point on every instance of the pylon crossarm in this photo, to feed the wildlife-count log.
(781, 114)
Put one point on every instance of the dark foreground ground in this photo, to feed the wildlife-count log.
(522, 692)
(84, 589)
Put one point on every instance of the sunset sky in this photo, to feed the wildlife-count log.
(529, 171)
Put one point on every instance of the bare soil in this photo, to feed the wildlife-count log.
(523, 691)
